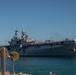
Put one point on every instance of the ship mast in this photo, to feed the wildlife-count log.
(23, 37)
(16, 33)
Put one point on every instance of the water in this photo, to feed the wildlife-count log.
(43, 65)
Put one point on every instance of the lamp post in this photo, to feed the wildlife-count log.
(3, 61)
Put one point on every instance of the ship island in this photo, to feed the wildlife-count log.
(26, 46)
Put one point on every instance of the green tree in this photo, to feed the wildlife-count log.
(14, 56)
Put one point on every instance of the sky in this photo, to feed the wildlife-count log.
(41, 19)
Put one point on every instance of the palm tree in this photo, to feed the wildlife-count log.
(6, 52)
(14, 56)
(3, 55)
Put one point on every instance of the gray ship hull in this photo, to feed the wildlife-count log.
(33, 51)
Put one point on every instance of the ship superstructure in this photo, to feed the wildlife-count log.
(30, 47)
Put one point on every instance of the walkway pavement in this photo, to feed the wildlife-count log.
(7, 73)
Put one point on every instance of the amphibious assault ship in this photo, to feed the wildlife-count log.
(30, 47)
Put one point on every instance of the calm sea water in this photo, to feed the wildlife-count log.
(43, 65)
